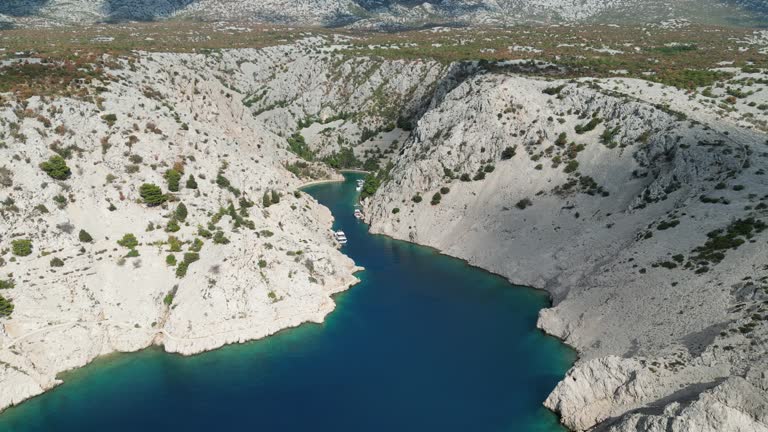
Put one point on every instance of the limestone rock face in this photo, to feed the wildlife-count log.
(606, 194)
(254, 265)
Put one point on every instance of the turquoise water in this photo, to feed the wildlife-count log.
(423, 343)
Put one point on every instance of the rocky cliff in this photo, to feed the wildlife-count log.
(226, 251)
(640, 208)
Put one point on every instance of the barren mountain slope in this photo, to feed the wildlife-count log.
(606, 200)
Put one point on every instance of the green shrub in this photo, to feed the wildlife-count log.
(84, 236)
(168, 299)
(57, 262)
(191, 183)
(479, 176)
(444, 190)
(152, 194)
(56, 167)
(219, 238)
(7, 283)
(110, 119)
(173, 177)
(552, 91)
(266, 199)
(181, 269)
(581, 129)
(523, 203)
(436, 198)
(395, 210)
(6, 307)
(128, 241)
(174, 244)
(190, 257)
(133, 253)
(196, 245)
(508, 153)
(21, 247)
(489, 168)
(172, 226)
(465, 177)
(262, 263)
(275, 197)
(416, 198)
(561, 140)
(60, 200)
(181, 212)
(571, 166)
(170, 259)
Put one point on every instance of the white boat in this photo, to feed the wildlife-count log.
(358, 214)
(340, 237)
(360, 184)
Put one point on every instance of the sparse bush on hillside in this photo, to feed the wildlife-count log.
(57, 262)
(6, 307)
(508, 153)
(128, 241)
(552, 91)
(7, 283)
(6, 177)
(436, 198)
(21, 247)
(152, 194)
(416, 198)
(84, 236)
(581, 129)
(56, 167)
(523, 203)
(191, 183)
(173, 177)
(181, 212)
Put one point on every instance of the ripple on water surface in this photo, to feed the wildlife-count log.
(424, 343)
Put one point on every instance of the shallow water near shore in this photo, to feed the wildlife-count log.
(424, 343)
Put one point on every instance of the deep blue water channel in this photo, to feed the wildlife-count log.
(424, 343)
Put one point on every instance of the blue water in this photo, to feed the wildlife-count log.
(423, 343)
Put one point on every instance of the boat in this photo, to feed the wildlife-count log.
(340, 237)
(358, 214)
(360, 184)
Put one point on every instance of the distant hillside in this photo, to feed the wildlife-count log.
(383, 13)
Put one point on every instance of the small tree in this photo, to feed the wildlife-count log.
(275, 197)
(152, 194)
(21, 247)
(56, 167)
(181, 212)
(57, 262)
(84, 236)
(266, 200)
(173, 177)
(191, 183)
(170, 260)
